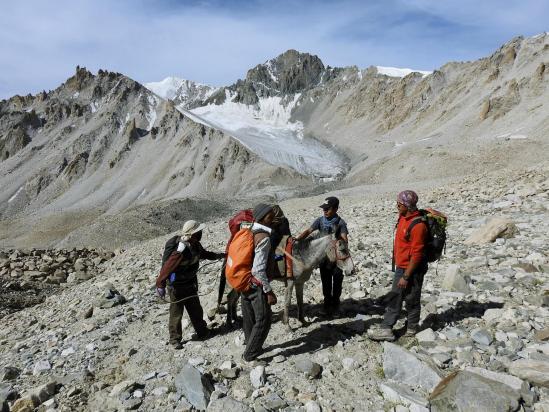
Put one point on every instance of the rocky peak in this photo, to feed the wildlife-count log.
(290, 72)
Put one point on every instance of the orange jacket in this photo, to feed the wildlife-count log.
(412, 248)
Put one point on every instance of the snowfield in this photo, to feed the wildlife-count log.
(267, 131)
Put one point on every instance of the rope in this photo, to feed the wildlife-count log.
(163, 301)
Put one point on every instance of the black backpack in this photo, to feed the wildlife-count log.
(436, 228)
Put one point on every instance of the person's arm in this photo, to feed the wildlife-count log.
(206, 254)
(259, 266)
(304, 234)
(417, 245)
(307, 232)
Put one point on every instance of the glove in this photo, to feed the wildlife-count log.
(161, 292)
(221, 255)
(181, 247)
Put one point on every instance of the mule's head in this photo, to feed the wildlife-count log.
(338, 252)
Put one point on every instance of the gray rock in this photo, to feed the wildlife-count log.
(426, 335)
(273, 402)
(466, 391)
(482, 336)
(9, 373)
(7, 393)
(497, 227)
(455, 281)
(509, 380)
(227, 404)
(401, 365)
(257, 376)
(43, 393)
(194, 386)
(41, 367)
(312, 406)
(534, 371)
(309, 368)
(403, 394)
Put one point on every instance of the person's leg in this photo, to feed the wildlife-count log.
(394, 301)
(196, 316)
(248, 318)
(175, 316)
(326, 278)
(261, 327)
(337, 275)
(413, 298)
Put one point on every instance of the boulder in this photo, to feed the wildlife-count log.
(196, 387)
(466, 391)
(534, 371)
(482, 336)
(23, 405)
(509, 380)
(456, 281)
(497, 227)
(309, 368)
(257, 376)
(9, 373)
(403, 366)
(404, 395)
(426, 335)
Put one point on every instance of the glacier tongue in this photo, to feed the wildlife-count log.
(267, 131)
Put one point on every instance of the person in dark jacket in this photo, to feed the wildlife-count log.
(410, 268)
(182, 282)
(330, 274)
(257, 302)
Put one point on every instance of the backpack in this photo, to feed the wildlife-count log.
(170, 247)
(436, 223)
(244, 218)
(240, 256)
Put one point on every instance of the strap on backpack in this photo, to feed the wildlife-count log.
(415, 221)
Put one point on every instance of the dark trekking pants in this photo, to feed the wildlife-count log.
(411, 295)
(332, 281)
(194, 309)
(256, 317)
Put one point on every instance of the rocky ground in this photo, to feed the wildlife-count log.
(101, 344)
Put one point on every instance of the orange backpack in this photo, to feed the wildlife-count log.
(240, 257)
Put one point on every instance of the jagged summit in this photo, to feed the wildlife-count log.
(185, 93)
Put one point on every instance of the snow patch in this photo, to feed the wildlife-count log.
(11, 199)
(174, 87)
(398, 72)
(93, 107)
(151, 114)
(75, 95)
(266, 130)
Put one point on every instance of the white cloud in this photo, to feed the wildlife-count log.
(42, 42)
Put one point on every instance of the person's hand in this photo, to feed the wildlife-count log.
(402, 283)
(271, 298)
(161, 292)
(221, 255)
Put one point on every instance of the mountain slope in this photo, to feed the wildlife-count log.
(105, 141)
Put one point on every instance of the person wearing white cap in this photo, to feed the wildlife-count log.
(183, 282)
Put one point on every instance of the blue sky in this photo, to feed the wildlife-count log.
(216, 42)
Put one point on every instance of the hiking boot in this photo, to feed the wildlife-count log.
(252, 362)
(411, 331)
(380, 333)
(176, 345)
(202, 336)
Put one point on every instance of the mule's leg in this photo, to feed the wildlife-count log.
(287, 301)
(299, 297)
